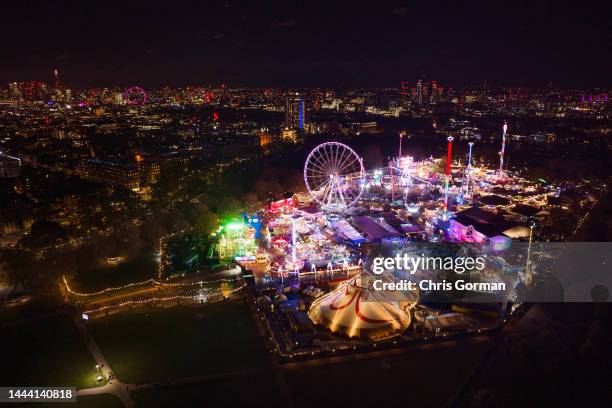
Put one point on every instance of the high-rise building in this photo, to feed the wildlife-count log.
(295, 111)
(484, 92)
(118, 98)
(149, 171)
(419, 92)
(56, 78)
(433, 95)
(14, 91)
(30, 90)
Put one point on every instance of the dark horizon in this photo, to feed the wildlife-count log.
(306, 44)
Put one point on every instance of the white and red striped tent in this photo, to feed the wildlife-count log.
(355, 310)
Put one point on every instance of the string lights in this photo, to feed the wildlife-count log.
(155, 300)
(148, 281)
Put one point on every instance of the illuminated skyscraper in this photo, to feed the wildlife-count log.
(14, 90)
(419, 90)
(295, 111)
(56, 78)
(433, 94)
(501, 152)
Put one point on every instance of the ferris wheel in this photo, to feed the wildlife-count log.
(334, 175)
(135, 96)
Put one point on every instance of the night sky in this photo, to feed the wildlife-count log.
(305, 43)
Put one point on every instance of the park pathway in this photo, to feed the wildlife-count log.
(114, 386)
(122, 390)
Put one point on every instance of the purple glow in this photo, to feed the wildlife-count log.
(135, 96)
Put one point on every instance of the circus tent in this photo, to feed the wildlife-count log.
(356, 310)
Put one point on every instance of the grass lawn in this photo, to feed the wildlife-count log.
(246, 391)
(420, 377)
(92, 401)
(145, 345)
(45, 352)
(100, 277)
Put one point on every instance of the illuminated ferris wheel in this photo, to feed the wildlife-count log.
(334, 175)
(135, 96)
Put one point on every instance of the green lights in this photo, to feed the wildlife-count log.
(234, 226)
(231, 226)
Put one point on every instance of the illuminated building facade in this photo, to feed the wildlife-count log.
(419, 92)
(236, 240)
(128, 175)
(295, 111)
(289, 135)
(264, 139)
(149, 172)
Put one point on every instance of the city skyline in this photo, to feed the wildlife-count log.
(222, 204)
(304, 45)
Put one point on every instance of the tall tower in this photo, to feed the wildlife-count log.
(433, 92)
(295, 112)
(56, 78)
(419, 90)
(447, 178)
(501, 153)
(468, 170)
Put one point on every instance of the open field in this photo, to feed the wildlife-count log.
(92, 401)
(183, 341)
(401, 378)
(418, 377)
(99, 277)
(46, 352)
(256, 390)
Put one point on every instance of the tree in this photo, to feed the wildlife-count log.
(206, 221)
(43, 234)
(14, 266)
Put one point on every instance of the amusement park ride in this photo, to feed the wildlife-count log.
(334, 176)
(337, 183)
(336, 179)
(135, 96)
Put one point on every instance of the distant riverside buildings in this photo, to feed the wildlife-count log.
(425, 92)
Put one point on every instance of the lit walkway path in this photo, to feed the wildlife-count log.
(121, 390)
(114, 386)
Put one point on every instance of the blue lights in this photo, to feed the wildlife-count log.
(301, 126)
